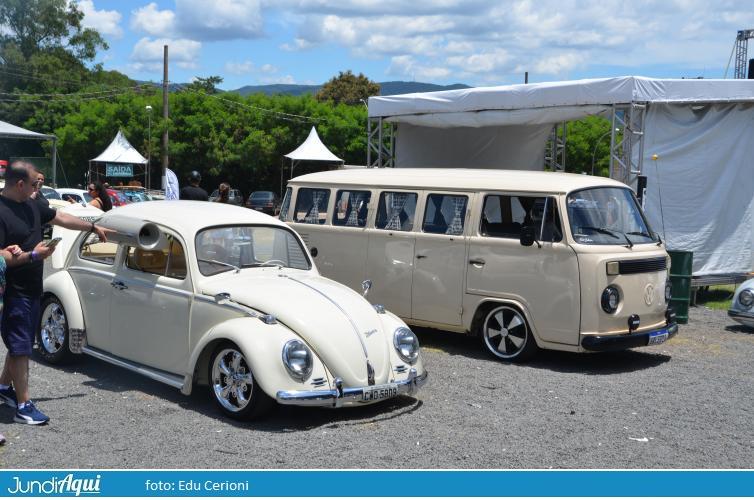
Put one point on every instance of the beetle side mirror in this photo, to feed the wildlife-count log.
(366, 285)
(527, 236)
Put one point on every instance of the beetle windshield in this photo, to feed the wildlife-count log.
(607, 216)
(230, 248)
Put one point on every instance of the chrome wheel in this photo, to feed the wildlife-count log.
(506, 334)
(53, 328)
(232, 381)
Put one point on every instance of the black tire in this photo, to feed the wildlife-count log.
(232, 385)
(53, 334)
(506, 334)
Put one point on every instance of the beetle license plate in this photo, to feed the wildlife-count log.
(378, 392)
(658, 337)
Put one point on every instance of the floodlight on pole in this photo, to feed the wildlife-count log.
(149, 146)
(597, 143)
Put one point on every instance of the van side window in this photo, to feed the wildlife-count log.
(286, 205)
(504, 216)
(351, 208)
(311, 206)
(396, 211)
(445, 214)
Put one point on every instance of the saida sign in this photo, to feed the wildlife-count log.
(119, 170)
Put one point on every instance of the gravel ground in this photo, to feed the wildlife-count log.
(686, 404)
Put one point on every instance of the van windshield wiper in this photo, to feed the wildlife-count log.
(610, 232)
(646, 235)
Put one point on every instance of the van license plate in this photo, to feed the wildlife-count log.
(658, 337)
(378, 392)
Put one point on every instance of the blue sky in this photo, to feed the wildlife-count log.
(477, 42)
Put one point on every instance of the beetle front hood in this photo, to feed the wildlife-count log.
(336, 322)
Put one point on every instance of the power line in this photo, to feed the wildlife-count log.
(77, 94)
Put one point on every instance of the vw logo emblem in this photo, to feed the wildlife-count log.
(649, 293)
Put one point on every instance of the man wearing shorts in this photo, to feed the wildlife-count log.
(20, 221)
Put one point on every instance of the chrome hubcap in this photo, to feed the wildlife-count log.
(53, 329)
(505, 332)
(232, 380)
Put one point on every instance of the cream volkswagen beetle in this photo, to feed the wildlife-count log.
(202, 293)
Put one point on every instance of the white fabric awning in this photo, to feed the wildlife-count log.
(312, 149)
(12, 131)
(121, 151)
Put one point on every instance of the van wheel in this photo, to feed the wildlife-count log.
(53, 333)
(233, 386)
(506, 335)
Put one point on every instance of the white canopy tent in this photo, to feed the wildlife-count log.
(10, 131)
(700, 190)
(312, 149)
(117, 157)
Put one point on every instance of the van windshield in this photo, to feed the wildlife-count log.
(607, 216)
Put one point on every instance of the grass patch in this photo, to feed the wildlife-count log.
(716, 297)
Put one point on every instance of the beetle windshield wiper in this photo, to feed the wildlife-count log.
(610, 232)
(219, 263)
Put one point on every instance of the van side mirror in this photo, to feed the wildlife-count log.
(527, 236)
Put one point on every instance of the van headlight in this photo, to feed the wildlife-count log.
(610, 299)
(746, 298)
(297, 359)
(406, 344)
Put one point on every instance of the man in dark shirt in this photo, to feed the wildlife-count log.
(21, 219)
(193, 191)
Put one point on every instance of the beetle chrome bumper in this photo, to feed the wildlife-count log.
(745, 318)
(343, 395)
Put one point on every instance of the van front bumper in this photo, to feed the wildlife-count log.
(352, 395)
(602, 343)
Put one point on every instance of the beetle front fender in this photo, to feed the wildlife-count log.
(60, 284)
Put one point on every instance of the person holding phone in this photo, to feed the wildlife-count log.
(20, 224)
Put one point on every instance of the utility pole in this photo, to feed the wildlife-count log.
(165, 118)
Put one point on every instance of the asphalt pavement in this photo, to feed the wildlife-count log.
(688, 403)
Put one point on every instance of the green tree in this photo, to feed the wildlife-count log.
(586, 139)
(207, 85)
(348, 88)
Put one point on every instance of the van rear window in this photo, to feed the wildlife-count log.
(445, 214)
(311, 206)
(351, 208)
(396, 211)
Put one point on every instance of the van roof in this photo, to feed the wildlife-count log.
(458, 179)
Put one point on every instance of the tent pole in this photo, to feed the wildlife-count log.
(54, 162)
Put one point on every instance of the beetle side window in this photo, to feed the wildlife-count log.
(311, 206)
(286, 205)
(445, 214)
(170, 261)
(504, 216)
(351, 208)
(95, 250)
(396, 211)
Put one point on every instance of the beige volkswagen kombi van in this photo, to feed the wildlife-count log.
(523, 259)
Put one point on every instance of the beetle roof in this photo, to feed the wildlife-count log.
(463, 179)
(189, 217)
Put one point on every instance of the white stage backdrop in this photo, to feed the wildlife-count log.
(705, 178)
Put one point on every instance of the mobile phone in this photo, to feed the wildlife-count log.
(53, 242)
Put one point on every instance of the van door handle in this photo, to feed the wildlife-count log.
(118, 284)
(477, 262)
(421, 256)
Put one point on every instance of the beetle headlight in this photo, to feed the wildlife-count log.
(610, 299)
(668, 291)
(746, 298)
(406, 344)
(297, 359)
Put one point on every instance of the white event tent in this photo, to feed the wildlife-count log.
(120, 158)
(10, 131)
(700, 187)
(312, 149)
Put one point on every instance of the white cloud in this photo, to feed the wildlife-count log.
(153, 21)
(271, 80)
(106, 22)
(147, 54)
(242, 68)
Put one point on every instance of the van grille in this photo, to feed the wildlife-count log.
(642, 266)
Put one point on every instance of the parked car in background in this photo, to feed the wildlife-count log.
(49, 193)
(235, 197)
(742, 306)
(193, 293)
(264, 201)
(133, 194)
(76, 195)
(117, 198)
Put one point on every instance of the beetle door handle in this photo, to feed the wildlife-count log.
(421, 256)
(477, 262)
(118, 285)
